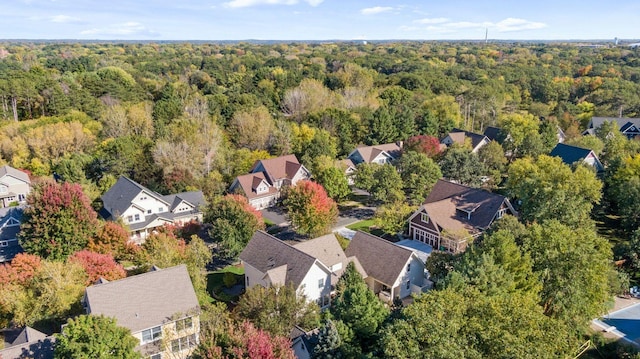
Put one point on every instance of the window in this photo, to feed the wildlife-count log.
(143, 198)
(161, 209)
(21, 197)
(4, 243)
(129, 219)
(151, 334)
(137, 217)
(501, 213)
(148, 211)
(156, 356)
(3, 189)
(321, 283)
(183, 324)
(183, 343)
(408, 284)
(409, 267)
(424, 218)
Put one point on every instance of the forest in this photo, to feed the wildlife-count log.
(181, 116)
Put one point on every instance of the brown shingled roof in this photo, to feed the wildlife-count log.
(279, 167)
(251, 181)
(325, 248)
(266, 253)
(380, 258)
(369, 153)
(145, 300)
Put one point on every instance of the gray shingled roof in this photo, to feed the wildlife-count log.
(326, 249)
(145, 300)
(26, 343)
(196, 198)
(380, 258)
(569, 154)
(119, 197)
(475, 137)
(492, 133)
(620, 121)
(8, 170)
(267, 253)
(446, 197)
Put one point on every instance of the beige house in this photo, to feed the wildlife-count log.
(461, 137)
(144, 210)
(159, 307)
(380, 154)
(15, 185)
(263, 185)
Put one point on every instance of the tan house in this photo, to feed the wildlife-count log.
(159, 307)
(461, 137)
(15, 185)
(453, 215)
(391, 271)
(263, 185)
(379, 154)
(144, 210)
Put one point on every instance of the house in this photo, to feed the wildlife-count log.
(379, 154)
(392, 271)
(303, 342)
(572, 154)
(15, 185)
(453, 215)
(263, 185)
(493, 134)
(144, 210)
(349, 170)
(629, 127)
(269, 261)
(460, 137)
(159, 307)
(10, 218)
(26, 343)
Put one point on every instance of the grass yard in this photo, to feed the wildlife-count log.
(368, 226)
(268, 223)
(216, 282)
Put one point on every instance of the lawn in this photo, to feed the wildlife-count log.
(268, 223)
(368, 226)
(215, 282)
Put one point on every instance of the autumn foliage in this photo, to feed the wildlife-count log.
(113, 239)
(58, 221)
(428, 145)
(98, 266)
(234, 221)
(310, 209)
(21, 269)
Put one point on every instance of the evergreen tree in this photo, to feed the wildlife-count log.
(329, 342)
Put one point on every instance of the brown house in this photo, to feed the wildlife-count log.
(453, 215)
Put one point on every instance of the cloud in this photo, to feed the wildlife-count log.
(64, 19)
(443, 25)
(375, 10)
(437, 20)
(128, 29)
(249, 3)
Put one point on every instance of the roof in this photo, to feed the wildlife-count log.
(279, 167)
(348, 163)
(8, 170)
(570, 154)
(447, 198)
(9, 229)
(380, 258)
(369, 153)
(620, 121)
(250, 182)
(145, 300)
(492, 133)
(196, 198)
(458, 136)
(269, 254)
(26, 343)
(326, 249)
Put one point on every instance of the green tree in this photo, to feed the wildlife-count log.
(329, 342)
(364, 176)
(90, 336)
(58, 221)
(418, 173)
(310, 209)
(387, 184)
(358, 308)
(392, 217)
(234, 221)
(549, 189)
(519, 127)
(277, 309)
(333, 180)
(460, 164)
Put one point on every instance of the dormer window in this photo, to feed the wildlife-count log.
(143, 198)
(424, 217)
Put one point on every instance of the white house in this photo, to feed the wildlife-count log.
(144, 210)
(379, 154)
(15, 185)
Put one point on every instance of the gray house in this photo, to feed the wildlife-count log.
(10, 218)
(15, 185)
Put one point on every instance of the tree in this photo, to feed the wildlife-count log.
(90, 336)
(98, 266)
(334, 181)
(392, 217)
(519, 127)
(358, 308)
(234, 221)
(21, 269)
(329, 342)
(428, 145)
(251, 129)
(58, 221)
(112, 239)
(574, 266)
(461, 165)
(364, 176)
(277, 309)
(418, 173)
(387, 184)
(309, 208)
(549, 189)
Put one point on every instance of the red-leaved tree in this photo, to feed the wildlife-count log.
(21, 269)
(310, 209)
(98, 266)
(113, 239)
(59, 221)
(428, 145)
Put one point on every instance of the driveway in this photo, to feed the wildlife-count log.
(275, 215)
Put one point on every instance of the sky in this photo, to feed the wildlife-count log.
(319, 19)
